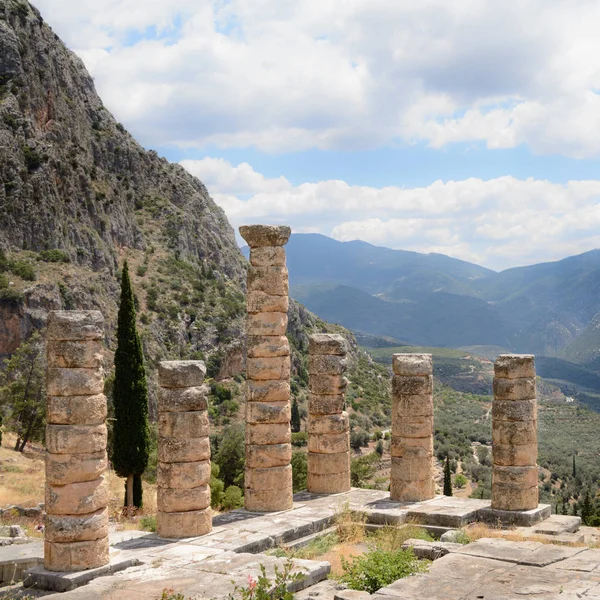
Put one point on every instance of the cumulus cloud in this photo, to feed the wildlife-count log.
(283, 76)
(498, 223)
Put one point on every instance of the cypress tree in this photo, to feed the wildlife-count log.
(587, 508)
(295, 423)
(131, 438)
(574, 467)
(447, 478)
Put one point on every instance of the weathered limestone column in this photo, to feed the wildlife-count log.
(76, 535)
(412, 428)
(514, 434)
(328, 424)
(268, 476)
(183, 494)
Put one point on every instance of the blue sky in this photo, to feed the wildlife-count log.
(470, 128)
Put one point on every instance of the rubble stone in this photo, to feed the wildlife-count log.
(181, 373)
(76, 410)
(258, 236)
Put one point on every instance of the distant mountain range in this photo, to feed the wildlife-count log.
(550, 309)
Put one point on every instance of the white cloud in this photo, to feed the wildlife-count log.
(284, 76)
(499, 223)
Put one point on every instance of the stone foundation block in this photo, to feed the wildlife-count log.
(74, 382)
(268, 433)
(191, 424)
(76, 410)
(267, 391)
(76, 556)
(77, 498)
(415, 385)
(274, 478)
(267, 501)
(272, 323)
(267, 256)
(522, 388)
(320, 364)
(326, 404)
(186, 450)
(259, 236)
(412, 491)
(183, 400)
(416, 427)
(275, 368)
(184, 524)
(72, 468)
(510, 496)
(271, 280)
(329, 443)
(186, 475)
(268, 412)
(75, 439)
(508, 455)
(407, 408)
(75, 354)
(412, 447)
(267, 346)
(183, 500)
(328, 464)
(410, 365)
(75, 325)
(262, 457)
(514, 366)
(181, 373)
(526, 477)
(412, 468)
(335, 483)
(327, 343)
(514, 433)
(259, 302)
(80, 528)
(331, 385)
(514, 410)
(328, 424)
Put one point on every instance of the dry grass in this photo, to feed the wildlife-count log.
(391, 539)
(335, 555)
(476, 531)
(350, 525)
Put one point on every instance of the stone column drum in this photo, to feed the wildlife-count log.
(76, 534)
(514, 434)
(328, 424)
(412, 428)
(183, 494)
(268, 476)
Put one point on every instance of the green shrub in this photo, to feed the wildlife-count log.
(3, 281)
(10, 295)
(299, 470)
(264, 588)
(55, 256)
(33, 159)
(233, 498)
(460, 481)
(378, 568)
(141, 270)
(22, 269)
(148, 523)
(299, 439)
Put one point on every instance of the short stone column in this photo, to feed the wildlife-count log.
(183, 494)
(328, 424)
(76, 533)
(268, 476)
(514, 434)
(412, 428)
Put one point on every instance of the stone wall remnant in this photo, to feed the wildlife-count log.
(268, 475)
(183, 494)
(514, 434)
(328, 424)
(76, 533)
(412, 428)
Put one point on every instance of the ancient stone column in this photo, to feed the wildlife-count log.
(183, 494)
(328, 425)
(412, 428)
(268, 476)
(514, 434)
(76, 534)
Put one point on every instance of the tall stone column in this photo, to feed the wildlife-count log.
(412, 428)
(76, 534)
(328, 425)
(514, 434)
(183, 495)
(268, 476)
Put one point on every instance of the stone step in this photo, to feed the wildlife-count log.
(558, 525)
